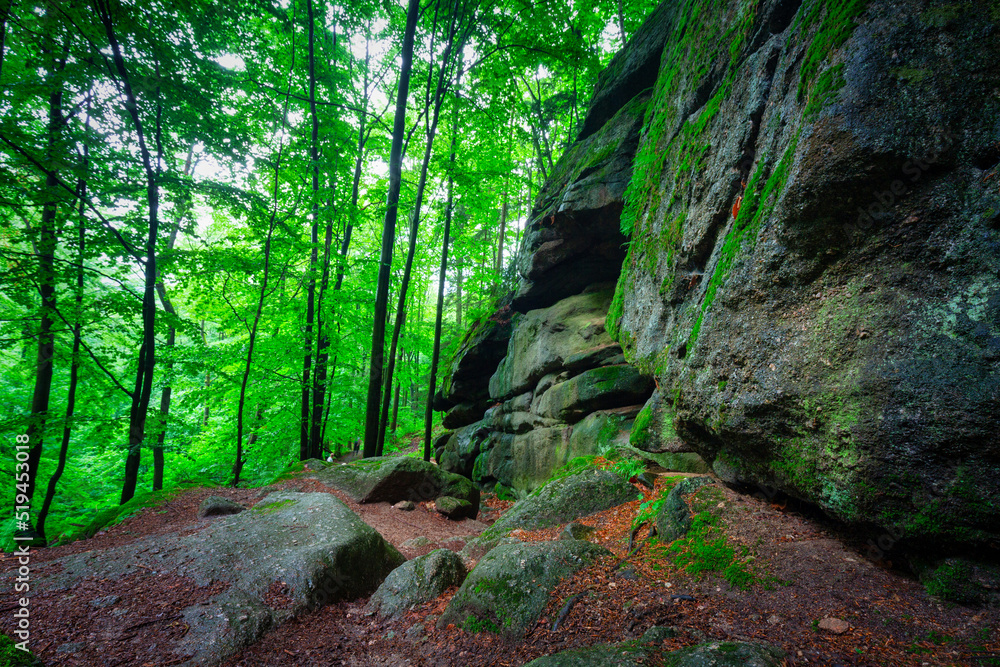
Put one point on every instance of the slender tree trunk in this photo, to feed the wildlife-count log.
(147, 351)
(389, 234)
(5, 7)
(165, 391)
(45, 248)
(305, 448)
(208, 376)
(503, 232)
(239, 462)
(459, 281)
(50, 493)
(395, 410)
(442, 277)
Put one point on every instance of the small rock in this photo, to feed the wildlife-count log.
(218, 506)
(773, 619)
(405, 505)
(416, 542)
(105, 601)
(627, 573)
(576, 531)
(453, 508)
(835, 625)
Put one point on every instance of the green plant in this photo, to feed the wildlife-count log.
(11, 656)
(629, 468)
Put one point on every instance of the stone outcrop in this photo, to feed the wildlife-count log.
(395, 478)
(290, 553)
(509, 588)
(418, 580)
(809, 193)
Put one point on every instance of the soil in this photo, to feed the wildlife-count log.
(803, 571)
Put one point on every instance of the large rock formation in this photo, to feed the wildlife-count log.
(813, 216)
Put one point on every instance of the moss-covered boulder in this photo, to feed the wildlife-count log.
(418, 580)
(510, 586)
(394, 478)
(218, 506)
(726, 654)
(288, 554)
(596, 389)
(674, 519)
(453, 508)
(565, 499)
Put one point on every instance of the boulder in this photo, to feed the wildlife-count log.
(546, 338)
(727, 654)
(453, 508)
(674, 518)
(418, 580)
(595, 389)
(565, 499)
(394, 478)
(218, 506)
(510, 586)
(309, 546)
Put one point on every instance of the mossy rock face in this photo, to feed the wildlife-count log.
(509, 588)
(726, 654)
(963, 581)
(565, 499)
(569, 333)
(838, 338)
(418, 580)
(394, 478)
(595, 389)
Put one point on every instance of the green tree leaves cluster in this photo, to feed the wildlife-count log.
(192, 205)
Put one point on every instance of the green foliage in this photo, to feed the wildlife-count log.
(649, 509)
(210, 81)
(705, 548)
(11, 656)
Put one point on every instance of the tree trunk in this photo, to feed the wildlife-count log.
(165, 392)
(389, 234)
(50, 493)
(442, 277)
(305, 446)
(147, 350)
(5, 6)
(45, 248)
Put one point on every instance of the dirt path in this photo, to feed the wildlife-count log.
(802, 573)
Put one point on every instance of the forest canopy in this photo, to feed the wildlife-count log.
(195, 200)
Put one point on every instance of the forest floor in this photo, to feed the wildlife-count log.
(801, 572)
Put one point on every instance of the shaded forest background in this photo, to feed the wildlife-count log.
(193, 196)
